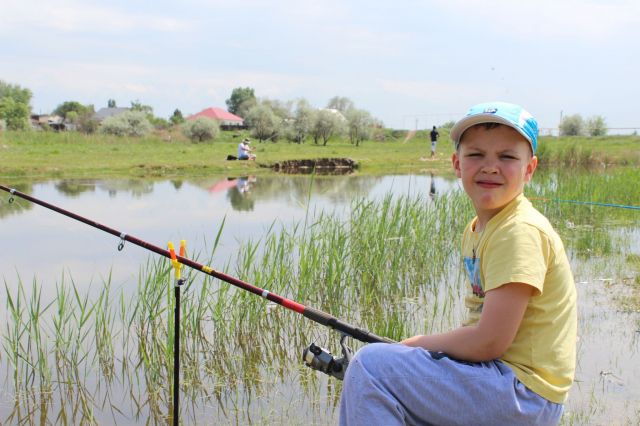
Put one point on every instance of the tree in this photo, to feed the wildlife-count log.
(87, 124)
(360, 124)
(303, 120)
(138, 106)
(571, 125)
(14, 106)
(327, 124)
(262, 122)
(241, 101)
(72, 106)
(176, 118)
(129, 123)
(201, 129)
(340, 103)
(597, 126)
(448, 125)
(111, 103)
(14, 114)
(159, 122)
(280, 109)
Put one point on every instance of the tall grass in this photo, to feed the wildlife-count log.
(374, 269)
(389, 266)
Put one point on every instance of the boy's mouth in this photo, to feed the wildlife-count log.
(488, 184)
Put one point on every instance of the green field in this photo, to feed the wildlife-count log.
(48, 154)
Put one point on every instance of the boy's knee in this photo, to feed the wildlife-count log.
(375, 356)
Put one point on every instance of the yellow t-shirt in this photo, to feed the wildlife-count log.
(520, 245)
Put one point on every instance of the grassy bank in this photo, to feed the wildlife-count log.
(39, 154)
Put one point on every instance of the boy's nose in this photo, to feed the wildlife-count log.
(489, 167)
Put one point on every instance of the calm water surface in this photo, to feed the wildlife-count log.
(47, 247)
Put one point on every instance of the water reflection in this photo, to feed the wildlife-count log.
(48, 246)
(231, 373)
(8, 204)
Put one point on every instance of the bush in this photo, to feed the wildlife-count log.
(201, 129)
(597, 126)
(571, 125)
(130, 123)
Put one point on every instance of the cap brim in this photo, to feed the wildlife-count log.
(463, 125)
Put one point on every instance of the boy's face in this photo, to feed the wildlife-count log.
(494, 166)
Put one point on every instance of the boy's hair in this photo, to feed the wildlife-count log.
(485, 126)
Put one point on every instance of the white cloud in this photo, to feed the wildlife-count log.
(548, 19)
(74, 16)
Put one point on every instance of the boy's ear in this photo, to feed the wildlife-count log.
(531, 167)
(455, 162)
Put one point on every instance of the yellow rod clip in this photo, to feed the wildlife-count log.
(174, 260)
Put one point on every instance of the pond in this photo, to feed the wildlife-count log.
(45, 245)
(101, 354)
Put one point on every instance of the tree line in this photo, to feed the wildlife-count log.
(575, 125)
(266, 119)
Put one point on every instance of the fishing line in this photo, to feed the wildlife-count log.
(589, 203)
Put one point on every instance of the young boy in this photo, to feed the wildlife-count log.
(512, 361)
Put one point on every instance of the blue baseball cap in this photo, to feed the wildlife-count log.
(498, 112)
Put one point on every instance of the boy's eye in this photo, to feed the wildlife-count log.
(508, 157)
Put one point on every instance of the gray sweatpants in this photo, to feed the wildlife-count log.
(393, 384)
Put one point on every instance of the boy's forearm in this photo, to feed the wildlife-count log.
(464, 343)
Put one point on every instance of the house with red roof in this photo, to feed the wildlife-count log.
(225, 118)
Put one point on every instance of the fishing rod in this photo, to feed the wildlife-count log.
(314, 356)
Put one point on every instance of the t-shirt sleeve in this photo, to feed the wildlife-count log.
(517, 253)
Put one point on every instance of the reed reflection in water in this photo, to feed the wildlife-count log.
(388, 264)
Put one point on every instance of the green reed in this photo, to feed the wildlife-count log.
(390, 266)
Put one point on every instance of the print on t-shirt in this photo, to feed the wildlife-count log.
(472, 267)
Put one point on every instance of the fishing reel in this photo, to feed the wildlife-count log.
(321, 359)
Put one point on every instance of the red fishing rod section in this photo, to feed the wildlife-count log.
(313, 314)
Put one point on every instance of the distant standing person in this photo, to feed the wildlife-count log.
(244, 150)
(434, 140)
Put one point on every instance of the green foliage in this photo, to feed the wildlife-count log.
(201, 129)
(340, 103)
(280, 108)
(360, 125)
(15, 92)
(138, 106)
(129, 123)
(176, 118)
(72, 116)
(14, 106)
(300, 127)
(263, 122)
(241, 101)
(596, 126)
(159, 122)
(87, 124)
(572, 125)
(14, 113)
(67, 107)
(111, 103)
(327, 124)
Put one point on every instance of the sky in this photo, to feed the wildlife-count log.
(410, 63)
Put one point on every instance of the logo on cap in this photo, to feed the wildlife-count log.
(490, 110)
